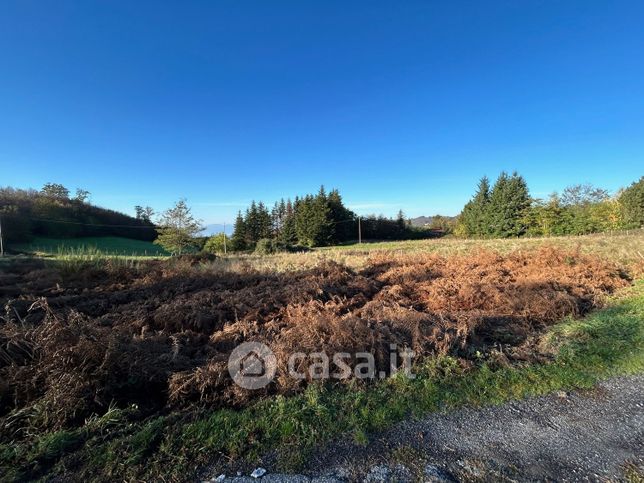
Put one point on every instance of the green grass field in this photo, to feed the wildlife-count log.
(108, 246)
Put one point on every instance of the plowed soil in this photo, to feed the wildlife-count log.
(160, 335)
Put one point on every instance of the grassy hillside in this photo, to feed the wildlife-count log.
(27, 214)
(109, 246)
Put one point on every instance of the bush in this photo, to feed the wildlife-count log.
(266, 246)
(215, 244)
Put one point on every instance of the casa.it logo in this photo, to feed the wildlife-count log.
(252, 365)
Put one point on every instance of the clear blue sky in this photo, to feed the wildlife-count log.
(397, 104)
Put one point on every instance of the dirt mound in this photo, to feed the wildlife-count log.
(162, 334)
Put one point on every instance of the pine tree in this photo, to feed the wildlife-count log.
(264, 222)
(400, 221)
(473, 220)
(312, 221)
(509, 202)
(303, 220)
(239, 233)
(341, 217)
(288, 234)
(278, 215)
(276, 221)
(252, 226)
(482, 201)
(322, 222)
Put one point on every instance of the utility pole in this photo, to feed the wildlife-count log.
(224, 237)
(359, 230)
(1, 244)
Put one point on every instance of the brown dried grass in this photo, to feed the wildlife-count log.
(161, 335)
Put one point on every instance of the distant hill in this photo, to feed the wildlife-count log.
(427, 220)
(26, 214)
(421, 221)
(214, 228)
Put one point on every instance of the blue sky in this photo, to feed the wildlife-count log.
(397, 104)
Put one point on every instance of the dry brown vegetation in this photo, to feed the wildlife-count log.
(160, 335)
(622, 248)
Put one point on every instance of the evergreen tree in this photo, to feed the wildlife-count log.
(482, 201)
(632, 205)
(276, 222)
(342, 218)
(324, 225)
(258, 224)
(473, 220)
(303, 221)
(288, 233)
(400, 221)
(251, 220)
(508, 205)
(312, 222)
(239, 233)
(278, 215)
(264, 222)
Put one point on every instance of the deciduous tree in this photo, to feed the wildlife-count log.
(55, 190)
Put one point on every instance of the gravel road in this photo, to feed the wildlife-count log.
(595, 435)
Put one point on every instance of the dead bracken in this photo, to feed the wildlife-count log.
(159, 336)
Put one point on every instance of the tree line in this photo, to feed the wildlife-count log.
(502, 210)
(506, 209)
(53, 212)
(310, 221)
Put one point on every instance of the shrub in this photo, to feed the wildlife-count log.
(266, 246)
(216, 244)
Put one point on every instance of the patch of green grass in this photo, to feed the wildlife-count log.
(145, 441)
(105, 246)
(606, 343)
(20, 462)
(52, 446)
